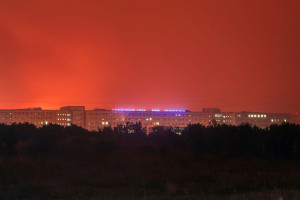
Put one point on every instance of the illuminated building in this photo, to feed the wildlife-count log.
(99, 118)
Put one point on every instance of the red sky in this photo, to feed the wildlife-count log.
(235, 54)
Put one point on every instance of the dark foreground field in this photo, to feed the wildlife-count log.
(203, 163)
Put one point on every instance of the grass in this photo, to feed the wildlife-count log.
(145, 177)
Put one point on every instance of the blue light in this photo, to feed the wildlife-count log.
(122, 109)
(143, 110)
(155, 110)
(174, 110)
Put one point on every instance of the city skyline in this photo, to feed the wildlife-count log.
(96, 119)
(134, 109)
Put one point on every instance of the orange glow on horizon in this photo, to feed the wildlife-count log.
(234, 55)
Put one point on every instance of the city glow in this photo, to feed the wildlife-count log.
(143, 75)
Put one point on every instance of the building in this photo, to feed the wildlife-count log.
(295, 118)
(99, 118)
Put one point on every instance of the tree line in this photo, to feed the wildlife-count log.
(276, 143)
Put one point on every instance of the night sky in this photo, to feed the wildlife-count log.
(236, 54)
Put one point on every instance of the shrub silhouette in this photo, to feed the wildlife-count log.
(281, 142)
